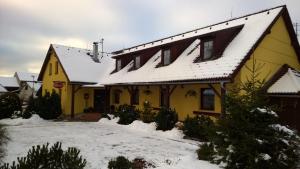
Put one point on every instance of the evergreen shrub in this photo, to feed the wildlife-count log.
(9, 104)
(249, 136)
(166, 119)
(3, 140)
(206, 152)
(199, 127)
(48, 106)
(127, 114)
(120, 162)
(43, 157)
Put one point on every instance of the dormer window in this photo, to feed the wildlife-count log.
(208, 49)
(166, 57)
(119, 64)
(137, 62)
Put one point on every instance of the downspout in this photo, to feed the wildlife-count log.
(223, 95)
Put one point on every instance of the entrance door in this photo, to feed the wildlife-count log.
(99, 101)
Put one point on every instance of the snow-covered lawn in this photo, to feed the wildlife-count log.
(103, 140)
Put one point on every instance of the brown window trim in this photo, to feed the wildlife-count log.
(200, 58)
(56, 67)
(50, 68)
(202, 107)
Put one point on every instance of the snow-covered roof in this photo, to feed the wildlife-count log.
(183, 68)
(79, 66)
(2, 89)
(9, 82)
(288, 83)
(26, 76)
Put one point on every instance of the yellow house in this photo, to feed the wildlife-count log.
(73, 73)
(192, 71)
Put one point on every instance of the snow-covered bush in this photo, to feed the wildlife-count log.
(166, 119)
(147, 115)
(249, 135)
(120, 162)
(9, 103)
(49, 158)
(199, 127)
(127, 114)
(3, 141)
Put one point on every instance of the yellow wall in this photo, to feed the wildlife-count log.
(274, 51)
(66, 95)
(182, 104)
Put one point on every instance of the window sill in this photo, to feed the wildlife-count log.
(207, 113)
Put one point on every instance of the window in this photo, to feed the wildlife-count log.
(164, 97)
(137, 62)
(119, 64)
(50, 68)
(117, 97)
(166, 57)
(56, 67)
(207, 50)
(207, 99)
(135, 97)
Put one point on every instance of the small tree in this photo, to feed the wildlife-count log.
(199, 127)
(166, 119)
(9, 104)
(49, 158)
(49, 106)
(3, 140)
(127, 114)
(249, 136)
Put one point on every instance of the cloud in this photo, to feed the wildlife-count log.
(28, 28)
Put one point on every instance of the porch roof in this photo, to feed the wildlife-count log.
(288, 83)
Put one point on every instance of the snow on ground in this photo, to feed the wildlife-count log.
(101, 141)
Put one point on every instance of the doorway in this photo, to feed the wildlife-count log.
(99, 100)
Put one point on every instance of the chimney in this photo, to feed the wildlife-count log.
(95, 52)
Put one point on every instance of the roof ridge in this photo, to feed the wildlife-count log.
(229, 20)
(59, 45)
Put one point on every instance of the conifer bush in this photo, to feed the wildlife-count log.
(3, 140)
(43, 157)
(127, 114)
(9, 104)
(120, 162)
(199, 127)
(249, 135)
(49, 106)
(166, 119)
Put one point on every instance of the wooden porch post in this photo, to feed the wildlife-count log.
(223, 93)
(72, 101)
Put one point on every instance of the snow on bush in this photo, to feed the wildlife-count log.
(35, 119)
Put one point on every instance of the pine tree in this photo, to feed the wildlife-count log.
(249, 137)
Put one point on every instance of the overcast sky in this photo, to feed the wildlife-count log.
(28, 27)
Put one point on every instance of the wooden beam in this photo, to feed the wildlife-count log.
(223, 95)
(72, 101)
(172, 90)
(215, 90)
